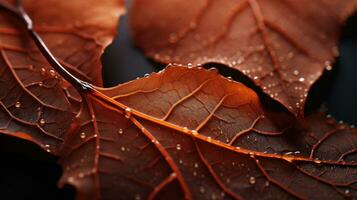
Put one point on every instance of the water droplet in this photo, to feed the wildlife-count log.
(42, 121)
(80, 175)
(301, 79)
(127, 113)
(178, 147)
(83, 135)
(223, 194)
(209, 139)
(146, 75)
(296, 72)
(18, 104)
(252, 180)
(202, 189)
(196, 165)
(40, 84)
(43, 71)
(255, 77)
(194, 173)
(240, 60)
(185, 130)
(189, 65)
(120, 131)
(47, 147)
(181, 161)
(317, 161)
(347, 191)
(137, 197)
(122, 148)
(52, 73)
(194, 132)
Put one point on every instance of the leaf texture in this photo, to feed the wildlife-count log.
(193, 134)
(35, 102)
(182, 133)
(282, 45)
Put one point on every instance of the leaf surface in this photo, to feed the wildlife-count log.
(35, 102)
(181, 133)
(193, 134)
(282, 45)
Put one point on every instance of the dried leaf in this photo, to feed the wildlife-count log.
(76, 32)
(282, 45)
(181, 133)
(191, 133)
(36, 103)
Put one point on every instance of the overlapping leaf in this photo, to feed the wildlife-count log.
(190, 133)
(181, 133)
(33, 97)
(282, 45)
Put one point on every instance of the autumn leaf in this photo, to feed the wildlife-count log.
(76, 32)
(185, 132)
(34, 97)
(282, 45)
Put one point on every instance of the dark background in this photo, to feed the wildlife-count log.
(26, 172)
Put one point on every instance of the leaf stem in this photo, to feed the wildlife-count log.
(21, 14)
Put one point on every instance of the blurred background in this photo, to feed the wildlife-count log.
(24, 176)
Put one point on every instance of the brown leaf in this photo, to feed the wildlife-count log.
(76, 32)
(282, 45)
(36, 103)
(191, 133)
(181, 133)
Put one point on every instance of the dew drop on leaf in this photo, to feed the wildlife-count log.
(194, 132)
(43, 71)
(178, 147)
(296, 72)
(127, 113)
(52, 73)
(83, 135)
(47, 147)
(42, 121)
(18, 104)
(120, 131)
(252, 180)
